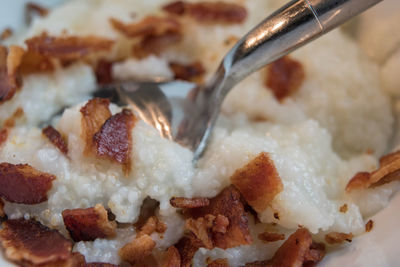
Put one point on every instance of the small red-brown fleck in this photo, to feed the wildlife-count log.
(2, 214)
(3, 136)
(369, 225)
(189, 203)
(55, 138)
(338, 238)
(284, 77)
(104, 72)
(88, 224)
(114, 140)
(189, 72)
(22, 183)
(28, 241)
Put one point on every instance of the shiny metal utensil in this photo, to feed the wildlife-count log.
(186, 114)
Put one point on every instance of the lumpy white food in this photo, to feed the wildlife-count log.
(318, 138)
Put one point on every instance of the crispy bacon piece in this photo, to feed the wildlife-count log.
(284, 77)
(268, 237)
(88, 224)
(94, 114)
(227, 203)
(114, 139)
(153, 224)
(369, 225)
(3, 136)
(388, 171)
(24, 184)
(9, 79)
(33, 62)
(33, 7)
(5, 34)
(138, 249)
(10, 122)
(209, 12)
(149, 26)
(219, 263)
(55, 138)
(189, 72)
(338, 238)
(75, 260)
(258, 182)
(172, 258)
(189, 203)
(2, 214)
(343, 208)
(31, 242)
(187, 247)
(220, 224)
(103, 71)
(68, 48)
(155, 44)
(200, 228)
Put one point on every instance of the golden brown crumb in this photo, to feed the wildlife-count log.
(338, 238)
(189, 72)
(369, 226)
(268, 237)
(343, 208)
(172, 258)
(189, 203)
(200, 228)
(153, 224)
(138, 249)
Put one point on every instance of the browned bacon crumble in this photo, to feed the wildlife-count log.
(343, 208)
(3, 135)
(189, 203)
(388, 171)
(172, 258)
(258, 182)
(189, 72)
(369, 225)
(114, 139)
(338, 238)
(2, 214)
(55, 138)
(68, 47)
(200, 227)
(5, 34)
(27, 241)
(219, 263)
(103, 71)
(10, 81)
(10, 122)
(33, 62)
(32, 9)
(24, 184)
(155, 44)
(153, 224)
(94, 114)
(268, 237)
(138, 249)
(209, 12)
(187, 247)
(88, 224)
(284, 77)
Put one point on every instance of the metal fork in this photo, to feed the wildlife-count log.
(186, 113)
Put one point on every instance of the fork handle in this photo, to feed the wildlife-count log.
(293, 25)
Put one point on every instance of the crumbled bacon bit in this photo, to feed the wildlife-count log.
(209, 12)
(189, 72)
(5, 34)
(33, 62)
(284, 77)
(31, 242)
(369, 225)
(9, 79)
(187, 247)
(220, 224)
(138, 249)
(88, 224)
(258, 182)
(268, 237)
(55, 138)
(68, 48)
(103, 72)
(147, 210)
(3, 135)
(343, 208)
(388, 171)
(189, 203)
(10, 122)
(94, 114)
(22, 183)
(154, 45)
(149, 26)
(200, 228)
(2, 214)
(219, 263)
(35, 8)
(153, 224)
(113, 140)
(172, 258)
(338, 238)
(227, 203)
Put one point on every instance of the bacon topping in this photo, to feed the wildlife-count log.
(94, 114)
(88, 224)
(29, 241)
(104, 72)
(9, 79)
(338, 238)
(33, 62)
(22, 183)
(2, 214)
(155, 44)
(369, 225)
(343, 208)
(388, 171)
(153, 224)
(172, 259)
(55, 138)
(10, 122)
(32, 9)
(227, 203)
(3, 136)
(258, 182)
(138, 249)
(114, 140)
(187, 247)
(200, 228)
(219, 263)
(68, 48)
(190, 72)
(189, 203)
(209, 12)
(5, 34)
(268, 237)
(284, 77)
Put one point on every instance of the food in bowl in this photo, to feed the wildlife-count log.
(295, 167)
